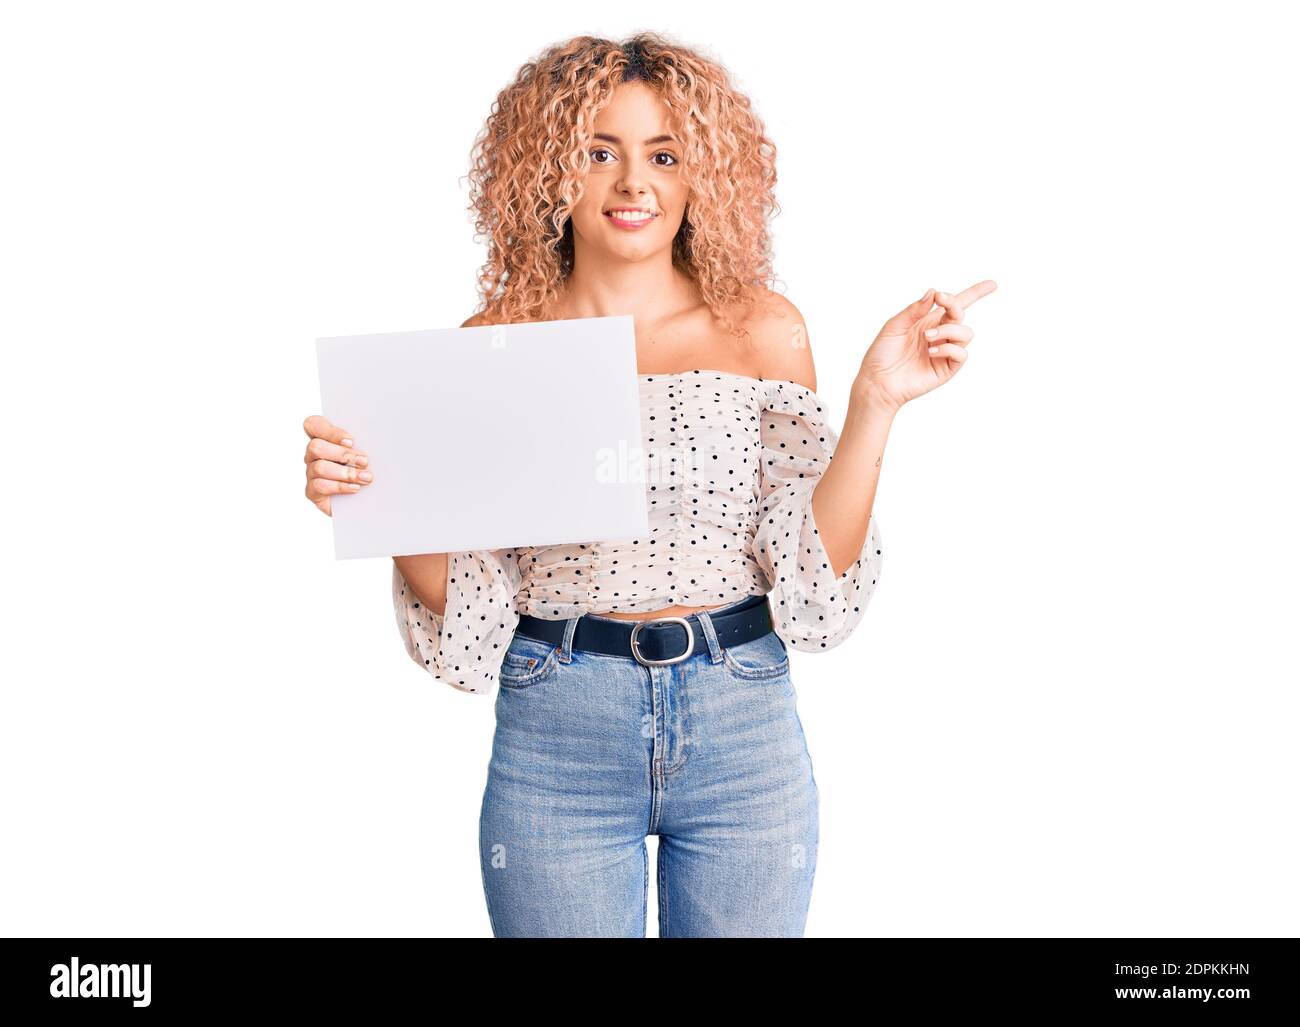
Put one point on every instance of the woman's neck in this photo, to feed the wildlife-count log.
(650, 291)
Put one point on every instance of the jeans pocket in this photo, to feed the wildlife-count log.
(528, 662)
(759, 658)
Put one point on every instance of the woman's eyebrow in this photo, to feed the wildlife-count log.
(619, 142)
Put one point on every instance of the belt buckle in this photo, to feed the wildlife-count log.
(690, 641)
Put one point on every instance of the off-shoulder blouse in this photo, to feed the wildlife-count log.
(730, 467)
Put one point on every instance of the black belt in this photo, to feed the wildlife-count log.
(657, 641)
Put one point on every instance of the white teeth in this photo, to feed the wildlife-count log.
(631, 215)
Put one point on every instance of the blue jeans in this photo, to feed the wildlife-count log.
(592, 753)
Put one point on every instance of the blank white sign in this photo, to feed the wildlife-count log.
(488, 438)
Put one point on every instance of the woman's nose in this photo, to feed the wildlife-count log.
(631, 183)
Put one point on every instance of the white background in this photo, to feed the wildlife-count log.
(1072, 707)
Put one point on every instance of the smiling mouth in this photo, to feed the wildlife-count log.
(630, 218)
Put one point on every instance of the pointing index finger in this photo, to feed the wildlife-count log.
(977, 291)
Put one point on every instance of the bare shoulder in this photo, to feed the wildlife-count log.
(475, 321)
(780, 340)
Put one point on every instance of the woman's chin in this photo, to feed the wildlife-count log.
(614, 244)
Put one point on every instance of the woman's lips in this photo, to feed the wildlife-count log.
(629, 226)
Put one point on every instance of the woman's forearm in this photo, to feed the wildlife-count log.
(844, 497)
(426, 576)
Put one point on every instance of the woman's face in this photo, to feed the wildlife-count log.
(635, 164)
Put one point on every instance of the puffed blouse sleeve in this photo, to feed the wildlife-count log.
(466, 644)
(813, 609)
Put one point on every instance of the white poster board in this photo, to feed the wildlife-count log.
(488, 438)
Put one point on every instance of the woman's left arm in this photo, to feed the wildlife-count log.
(918, 349)
(843, 499)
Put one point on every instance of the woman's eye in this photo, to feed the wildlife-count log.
(596, 159)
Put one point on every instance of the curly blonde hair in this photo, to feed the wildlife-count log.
(529, 164)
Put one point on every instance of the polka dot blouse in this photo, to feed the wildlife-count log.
(730, 467)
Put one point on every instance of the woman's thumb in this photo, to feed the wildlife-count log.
(915, 311)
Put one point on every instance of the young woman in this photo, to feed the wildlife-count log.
(644, 683)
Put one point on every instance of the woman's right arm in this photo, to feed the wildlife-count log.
(426, 576)
(455, 611)
(334, 467)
